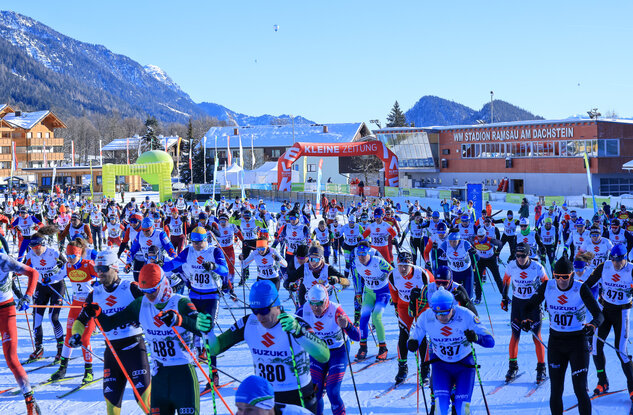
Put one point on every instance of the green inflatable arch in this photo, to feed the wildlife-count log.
(153, 166)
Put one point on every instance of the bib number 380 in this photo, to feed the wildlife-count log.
(272, 373)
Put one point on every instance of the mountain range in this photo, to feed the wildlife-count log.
(41, 68)
(435, 111)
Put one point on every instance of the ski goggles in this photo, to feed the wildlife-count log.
(197, 237)
(153, 289)
(317, 303)
(521, 256)
(562, 276)
(102, 269)
(315, 259)
(152, 257)
(292, 218)
(71, 256)
(440, 312)
(362, 250)
(261, 311)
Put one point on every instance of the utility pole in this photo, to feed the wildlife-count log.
(492, 107)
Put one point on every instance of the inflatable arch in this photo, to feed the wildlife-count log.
(360, 148)
(153, 166)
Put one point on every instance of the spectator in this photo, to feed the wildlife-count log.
(538, 210)
(361, 188)
(607, 209)
(488, 209)
(524, 210)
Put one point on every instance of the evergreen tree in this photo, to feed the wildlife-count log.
(198, 164)
(396, 117)
(150, 140)
(187, 142)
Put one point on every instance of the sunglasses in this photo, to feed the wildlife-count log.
(261, 311)
(261, 250)
(315, 259)
(134, 222)
(442, 283)
(562, 276)
(71, 256)
(442, 312)
(521, 256)
(102, 268)
(292, 217)
(363, 252)
(152, 257)
(317, 303)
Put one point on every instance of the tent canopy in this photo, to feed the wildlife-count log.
(628, 165)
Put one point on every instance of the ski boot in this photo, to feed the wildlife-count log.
(477, 301)
(513, 369)
(215, 377)
(541, 374)
(32, 408)
(603, 383)
(88, 375)
(60, 347)
(362, 352)
(382, 352)
(37, 353)
(403, 371)
(61, 372)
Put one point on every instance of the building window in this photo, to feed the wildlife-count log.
(48, 135)
(562, 148)
(29, 135)
(312, 168)
(46, 181)
(276, 153)
(455, 182)
(39, 135)
(99, 180)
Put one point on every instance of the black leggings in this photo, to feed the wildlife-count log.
(491, 264)
(572, 350)
(618, 318)
(510, 240)
(416, 245)
(133, 354)
(44, 295)
(97, 237)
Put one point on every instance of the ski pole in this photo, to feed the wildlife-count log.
(294, 369)
(484, 294)
(55, 306)
(91, 352)
(116, 357)
(200, 367)
(517, 327)
(479, 377)
(28, 324)
(224, 373)
(420, 383)
(349, 364)
(603, 341)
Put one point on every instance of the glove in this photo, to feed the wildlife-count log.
(289, 324)
(46, 279)
(589, 329)
(333, 280)
(203, 322)
(24, 302)
(127, 268)
(526, 325)
(208, 265)
(413, 345)
(92, 310)
(171, 318)
(504, 303)
(75, 341)
(471, 336)
(427, 264)
(414, 301)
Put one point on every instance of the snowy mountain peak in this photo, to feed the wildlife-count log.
(161, 76)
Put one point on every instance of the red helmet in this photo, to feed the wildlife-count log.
(333, 201)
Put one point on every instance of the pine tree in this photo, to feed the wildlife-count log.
(187, 142)
(150, 140)
(396, 117)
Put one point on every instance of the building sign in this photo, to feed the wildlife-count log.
(514, 134)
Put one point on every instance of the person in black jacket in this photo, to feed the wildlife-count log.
(567, 301)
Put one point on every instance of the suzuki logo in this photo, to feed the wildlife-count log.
(446, 331)
(110, 301)
(615, 278)
(149, 242)
(523, 275)
(268, 340)
(226, 232)
(562, 299)
(318, 326)
(367, 272)
(294, 233)
(455, 253)
(264, 261)
(157, 321)
(596, 248)
(42, 262)
(199, 260)
(408, 285)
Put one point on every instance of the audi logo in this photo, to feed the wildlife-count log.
(139, 372)
(184, 411)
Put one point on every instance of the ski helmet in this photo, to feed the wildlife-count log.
(524, 222)
(453, 236)
(481, 232)
(405, 257)
(442, 302)
(444, 273)
(580, 222)
(147, 223)
(317, 295)
(264, 294)
(523, 248)
(435, 214)
(618, 252)
(379, 212)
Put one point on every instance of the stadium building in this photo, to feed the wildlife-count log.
(536, 157)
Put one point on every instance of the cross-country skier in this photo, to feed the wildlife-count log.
(268, 262)
(255, 396)
(566, 301)
(374, 270)
(174, 380)
(460, 257)
(329, 322)
(8, 327)
(404, 278)
(113, 295)
(616, 278)
(279, 343)
(451, 330)
(525, 276)
(509, 235)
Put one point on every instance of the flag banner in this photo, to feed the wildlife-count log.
(101, 151)
(593, 196)
(318, 194)
(53, 180)
(215, 174)
(190, 162)
(127, 150)
(475, 193)
(14, 164)
(44, 164)
(242, 166)
(72, 152)
(229, 156)
(91, 180)
(204, 157)
(252, 154)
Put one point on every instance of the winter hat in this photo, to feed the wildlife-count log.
(256, 391)
(264, 294)
(563, 267)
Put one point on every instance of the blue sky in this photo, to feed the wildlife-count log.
(349, 60)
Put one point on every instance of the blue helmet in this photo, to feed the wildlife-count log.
(444, 273)
(618, 252)
(435, 214)
(441, 227)
(147, 223)
(442, 301)
(465, 218)
(453, 236)
(264, 294)
(379, 212)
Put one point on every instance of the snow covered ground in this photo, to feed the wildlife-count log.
(237, 362)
